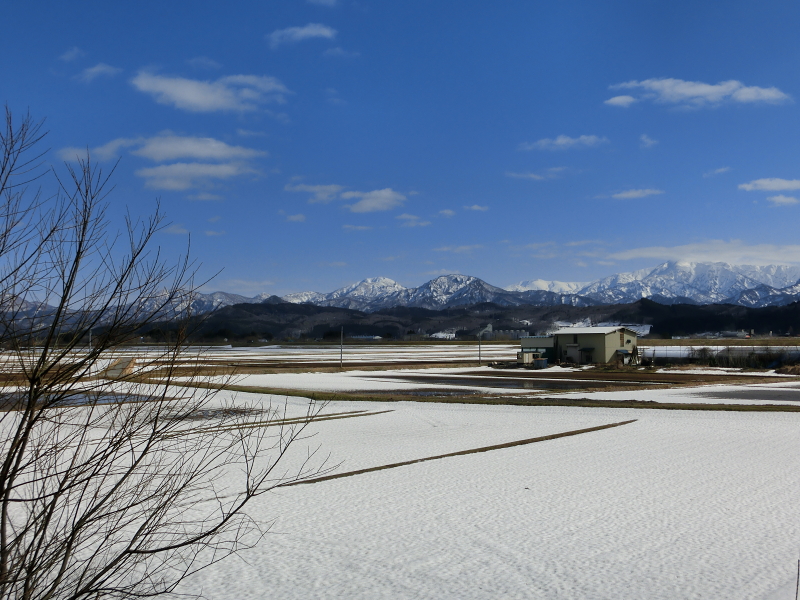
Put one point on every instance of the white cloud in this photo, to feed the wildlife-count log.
(533, 176)
(170, 147)
(100, 153)
(239, 93)
(72, 54)
(100, 69)
(563, 142)
(771, 185)
(641, 193)
(164, 147)
(296, 218)
(330, 3)
(781, 200)
(458, 249)
(206, 197)
(183, 176)
(719, 171)
(321, 193)
(299, 34)
(733, 251)
(203, 62)
(214, 219)
(623, 101)
(447, 213)
(376, 200)
(647, 141)
(412, 221)
(176, 230)
(476, 207)
(356, 227)
(341, 53)
(696, 93)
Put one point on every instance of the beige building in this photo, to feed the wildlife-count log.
(583, 345)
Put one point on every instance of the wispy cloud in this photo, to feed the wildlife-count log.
(299, 34)
(166, 146)
(447, 213)
(733, 251)
(99, 70)
(184, 176)
(564, 142)
(459, 249)
(646, 141)
(771, 185)
(374, 201)
(296, 218)
(640, 193)
(320, 193)
(696, 93)
(73, 53)
(781, 200)
(443, 272)
(175, 230)
(356, 227)
(623, 101)
(719, 171)
(206, 197)
(333, 264)
(477, 207)
(170, 147)
(212, 233)
(412, 221)
(328, 3)
(239, 93)
(341, 53)
(203, 62)
(249, 133)
(532, 176)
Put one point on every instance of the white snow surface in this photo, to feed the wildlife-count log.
(678, 504)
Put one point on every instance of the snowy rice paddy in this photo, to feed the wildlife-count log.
(676, 504)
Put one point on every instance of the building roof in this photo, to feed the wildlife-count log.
(584, 330)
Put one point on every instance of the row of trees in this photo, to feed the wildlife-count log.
(108, 488)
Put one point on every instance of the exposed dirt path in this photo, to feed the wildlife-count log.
(543, 438)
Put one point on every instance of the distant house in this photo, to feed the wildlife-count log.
(583, 345)
(444, 335)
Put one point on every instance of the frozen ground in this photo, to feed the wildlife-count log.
(679, 504)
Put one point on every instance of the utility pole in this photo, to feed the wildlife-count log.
(341, 347)
(480, 336)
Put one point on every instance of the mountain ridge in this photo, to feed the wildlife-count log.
(671, 282)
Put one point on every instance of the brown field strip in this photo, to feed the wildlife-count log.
(543, 438)
(509, 400)
(284, 422)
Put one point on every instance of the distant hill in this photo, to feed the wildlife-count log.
(281, 320)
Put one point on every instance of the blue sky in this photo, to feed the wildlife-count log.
(305, 145)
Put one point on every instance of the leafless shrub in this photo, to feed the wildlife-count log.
(109, 487)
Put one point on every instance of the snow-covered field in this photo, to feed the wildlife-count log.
(678, 504)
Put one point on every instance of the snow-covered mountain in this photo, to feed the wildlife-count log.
(559, 287)
(700, 283)
(443, 292)
(670, 282)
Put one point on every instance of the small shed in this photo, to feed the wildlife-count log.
(584, 345)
